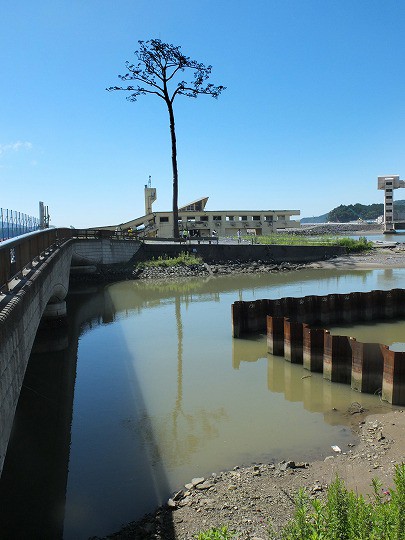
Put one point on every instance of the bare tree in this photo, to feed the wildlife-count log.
(158, 72)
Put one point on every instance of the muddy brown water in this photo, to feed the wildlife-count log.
(146, 388)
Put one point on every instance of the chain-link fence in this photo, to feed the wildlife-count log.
(13, 223)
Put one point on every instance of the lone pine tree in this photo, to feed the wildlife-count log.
(157, 72)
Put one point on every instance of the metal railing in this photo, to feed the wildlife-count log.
(13, 223)
(21, 253)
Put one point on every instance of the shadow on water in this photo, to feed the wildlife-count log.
(34, 483)
(73, 437)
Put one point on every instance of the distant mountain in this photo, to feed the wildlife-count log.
(345, 213)
(316, 219)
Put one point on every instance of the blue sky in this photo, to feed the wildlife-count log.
(313, 112)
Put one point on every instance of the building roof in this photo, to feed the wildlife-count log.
(196, 206)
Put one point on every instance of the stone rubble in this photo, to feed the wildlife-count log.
(217, 268)
(329, 229)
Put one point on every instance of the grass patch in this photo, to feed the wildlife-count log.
(352, 245)
(216, 534)
(185, 259)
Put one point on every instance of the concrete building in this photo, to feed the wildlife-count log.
(199, 222)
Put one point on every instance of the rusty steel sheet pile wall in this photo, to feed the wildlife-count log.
(294, 328)
(250, 317)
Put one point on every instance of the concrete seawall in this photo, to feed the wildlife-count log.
(99, 251)
(242, 252)
(293, 331)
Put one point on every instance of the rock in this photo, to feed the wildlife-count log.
(171, 504)
(316, 488)
(204, 485)
(196, 481)
(287, 465)
(178, 495)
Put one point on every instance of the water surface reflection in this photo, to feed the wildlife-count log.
(163, 393)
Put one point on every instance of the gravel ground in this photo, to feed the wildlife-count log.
(246, 499)
(380, 257)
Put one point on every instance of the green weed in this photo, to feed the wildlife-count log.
(216, 534)
(348, 516)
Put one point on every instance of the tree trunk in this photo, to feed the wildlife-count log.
(175, 173)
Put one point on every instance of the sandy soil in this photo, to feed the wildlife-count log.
(380, 257)
(245, 499)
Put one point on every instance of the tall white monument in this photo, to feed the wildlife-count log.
(388, 184)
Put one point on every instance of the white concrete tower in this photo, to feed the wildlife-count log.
(388, 184)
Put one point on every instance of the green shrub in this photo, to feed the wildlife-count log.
(362, 244)
(348, 516)
(185, 259)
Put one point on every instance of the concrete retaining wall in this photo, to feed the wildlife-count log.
(20, 314)
(367, 367)
(103, 251)
(241, 252)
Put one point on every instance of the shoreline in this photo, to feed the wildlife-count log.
(245, 498)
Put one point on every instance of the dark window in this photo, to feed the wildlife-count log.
(163, 219)
(256, 218)
(217, 218)
(204, 218)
